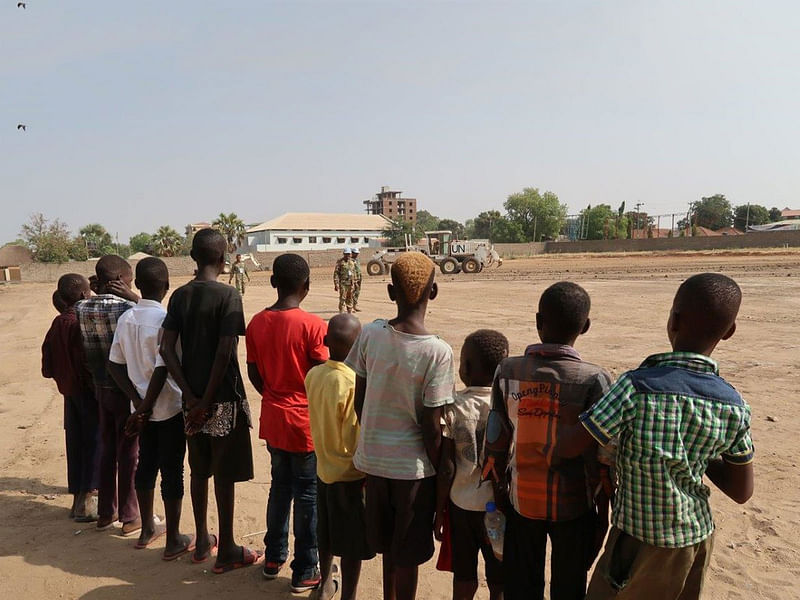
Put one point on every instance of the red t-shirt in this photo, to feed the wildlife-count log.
(284, 345)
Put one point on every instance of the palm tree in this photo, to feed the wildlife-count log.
(232, 228)
(166, 241)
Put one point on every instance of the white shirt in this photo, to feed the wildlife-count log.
(136, 341)
(465, 424)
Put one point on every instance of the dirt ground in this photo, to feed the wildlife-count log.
(757, 553)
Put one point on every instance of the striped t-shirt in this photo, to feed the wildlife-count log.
(405, 373)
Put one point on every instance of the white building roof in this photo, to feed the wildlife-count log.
(322, 222)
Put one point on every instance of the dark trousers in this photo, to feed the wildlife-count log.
(80, 429)
(118, 457)
(524, 557)
(162, 447)
(294, 477)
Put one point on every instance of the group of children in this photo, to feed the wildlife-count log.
(369, 440)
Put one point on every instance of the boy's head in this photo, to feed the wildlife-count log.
(71, 288)
(112, 267)
(482, 351)
(412, 280)
(208, 248)
(93, 285)
(343, 330)
(291, 275)
(563, 313)
(58, 303)
(152, 278)
(703, 313)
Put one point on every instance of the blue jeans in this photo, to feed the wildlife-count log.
(294, 477)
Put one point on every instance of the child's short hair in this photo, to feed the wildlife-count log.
(151, 274)
(59, 303)
(111, 266)
(412, 275)
(290, 272)
(491, 347)
(208, 246)
(70, 287)
(565, 306)
(712, 300)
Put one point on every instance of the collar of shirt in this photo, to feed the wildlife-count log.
(145, 303)
(336, 365)
(552, 351)
(690, 361)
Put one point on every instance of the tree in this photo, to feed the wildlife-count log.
(48, 241)
(537, 215)
(753, 214)
(600, 222)
(78, 250)
(396, 232)
(714, 212)
(141, 242)
(506, 231)
(482, 224)
(775, 214)
(232, 228)
(426, 221)
(452, 225)
(98, 241)
(166, 241)
(637, 221)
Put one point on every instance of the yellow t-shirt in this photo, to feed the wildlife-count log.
(334, 427)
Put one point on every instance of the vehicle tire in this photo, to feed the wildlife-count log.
(449, 266)
(471, 265)
(375, 267)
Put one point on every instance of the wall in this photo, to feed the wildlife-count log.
(770, 239)
(520, 250)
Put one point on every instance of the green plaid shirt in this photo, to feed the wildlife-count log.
(673, 414)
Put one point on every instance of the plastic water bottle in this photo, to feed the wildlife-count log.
(495, 523)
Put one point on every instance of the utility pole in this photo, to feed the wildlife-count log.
(747, 220)
(639, 205)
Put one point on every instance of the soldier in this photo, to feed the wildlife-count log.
(357, 279)
(343, 277)
(239, 272)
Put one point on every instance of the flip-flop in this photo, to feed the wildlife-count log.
(189, 548)
(158, 533)
(212, 551)
(249, 558)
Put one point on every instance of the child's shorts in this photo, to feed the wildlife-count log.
(468, 538)
(228, 458)
(162, 447)
(341, 520)
(400, 518)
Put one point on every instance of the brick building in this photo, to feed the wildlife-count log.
(390, 204)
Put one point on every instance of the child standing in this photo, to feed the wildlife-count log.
(677, 420)
(63, 360)
(208, 318)
(137, 367)
(283, 343)
(460, 490)
(341, 526)
(404, 378)
(98, 317)
(533, 398)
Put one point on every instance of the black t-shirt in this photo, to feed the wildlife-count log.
(202, 312)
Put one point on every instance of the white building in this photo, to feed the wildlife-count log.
(316, 231)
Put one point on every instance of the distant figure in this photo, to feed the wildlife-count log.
(23, 127)
(239, 272)
(343, 278)
(356, 279)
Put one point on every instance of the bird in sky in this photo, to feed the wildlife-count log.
(22, 5)
(23, 127)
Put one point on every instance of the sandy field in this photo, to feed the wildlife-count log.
(757, 555)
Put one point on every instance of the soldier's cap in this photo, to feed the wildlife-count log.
(346, 251)
(354, 250)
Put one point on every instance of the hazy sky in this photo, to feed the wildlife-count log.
(160, 112)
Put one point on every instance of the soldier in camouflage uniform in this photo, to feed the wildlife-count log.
(343, 278)
(357, 280)
(239, 272)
